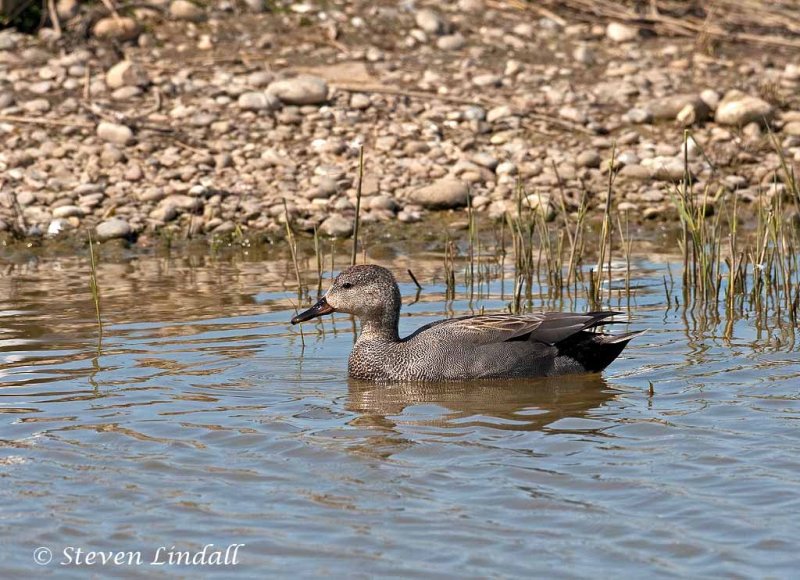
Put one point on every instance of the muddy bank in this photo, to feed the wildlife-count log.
(200, 123)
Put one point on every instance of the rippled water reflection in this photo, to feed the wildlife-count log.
(203, 419)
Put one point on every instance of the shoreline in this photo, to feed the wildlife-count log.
(203, 124)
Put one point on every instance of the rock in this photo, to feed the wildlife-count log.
(383, 202)
(506, 168)
(300, 90)
(665, 168)
(114, 133)
(360, 101)
(258, 101)
(487, 80)
(36, 105)
(668, 108)
(337, 226)
(619, 32)
(67, 211)
(257, 6)
(738, 109)
(126, 74)
(711, 98)
(499, 112)
(485, 160)
(57, 226)
(573, 114)
(67, 9)
(6, 99)
(584, 55)
(451, 42)
(113, 228)
(185, 10)
(635, 172)
(120, 29)
(430, 21)
(443, 194)
(588, 159)
(471, 5)
(651, 213)
(792, 128)
(126, 93)
(165, 212)
(639, 116)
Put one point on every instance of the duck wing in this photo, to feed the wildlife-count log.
(544, 327)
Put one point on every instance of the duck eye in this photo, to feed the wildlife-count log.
(347, 285)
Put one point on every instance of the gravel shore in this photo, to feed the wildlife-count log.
(181, 120)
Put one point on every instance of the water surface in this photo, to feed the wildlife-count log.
(203, 417)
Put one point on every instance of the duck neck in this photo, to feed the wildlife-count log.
(381, 327)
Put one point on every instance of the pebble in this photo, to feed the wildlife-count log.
(443, 194)
(619, 32)
(67, 211)
(360, 101)
(487, 80)
(739, 109)
(300, 90)
(498, 113)
(126, 74)
(121, 29)
(185, 10)
(337, 226)
(792, 128)
(588, 159)
(451, 42)
(114, 133)
(668, 108)
(430, 21)
(113, 228)
(258, 101)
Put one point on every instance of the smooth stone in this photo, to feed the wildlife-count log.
(337, 226)
(125, 93)
(360, 101)
(122, 28)
(497, 113)
(301, 90)
(792, 128)
(487, 80)
(113, 228)
(185, 10)
(67, 211)
(485, 160)
(443, 194)
(57, 226)
(114, 133)
(126, 74)
(619, 32)
(383, 202)
(451, 42)
(739, 109)
(668, 108)
(257, 101)
(165, 212)
(588, 159)
(429, 21)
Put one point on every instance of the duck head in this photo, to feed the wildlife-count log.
(368, 292)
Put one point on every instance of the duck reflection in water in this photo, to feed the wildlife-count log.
(518, 405)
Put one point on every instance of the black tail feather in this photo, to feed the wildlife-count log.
(595, 351)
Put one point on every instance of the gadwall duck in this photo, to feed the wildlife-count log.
(487, 346)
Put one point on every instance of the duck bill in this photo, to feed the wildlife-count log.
(321, 308)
